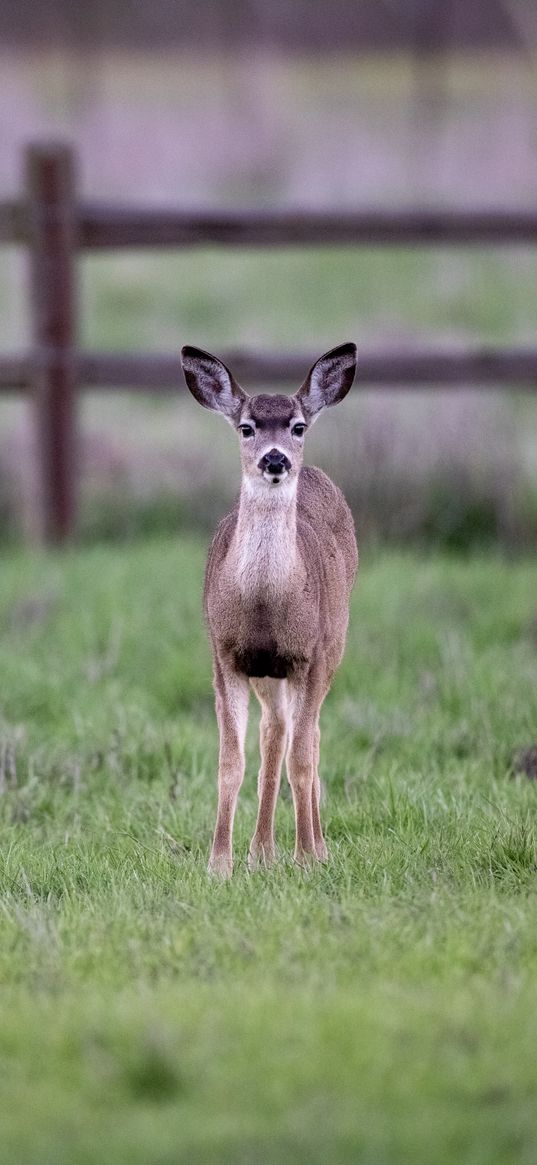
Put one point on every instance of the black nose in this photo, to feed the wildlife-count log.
(274, 462)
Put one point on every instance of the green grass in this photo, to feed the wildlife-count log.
(380, 1009)
(303, 298)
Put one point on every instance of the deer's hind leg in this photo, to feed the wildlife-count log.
(232, 694)
(272, 695)
(302, 767)
(318, 838)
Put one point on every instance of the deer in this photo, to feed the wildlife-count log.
(278, 581)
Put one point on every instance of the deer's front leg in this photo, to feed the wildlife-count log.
(232, 714)
(272, 695)
(302, 772)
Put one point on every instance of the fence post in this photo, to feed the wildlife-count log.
(52, 226)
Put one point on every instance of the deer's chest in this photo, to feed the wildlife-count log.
(264, 610)
(270, 639)
(266, 632)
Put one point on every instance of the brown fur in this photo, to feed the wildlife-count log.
(279, 575)
(308, 618)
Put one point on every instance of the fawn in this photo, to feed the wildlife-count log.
(277, 586)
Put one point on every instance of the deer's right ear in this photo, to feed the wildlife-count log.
(211, 383)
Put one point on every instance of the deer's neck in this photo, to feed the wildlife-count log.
(265, 539)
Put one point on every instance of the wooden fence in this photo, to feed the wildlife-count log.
(55, 227)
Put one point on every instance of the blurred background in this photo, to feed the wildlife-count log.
(332, 104)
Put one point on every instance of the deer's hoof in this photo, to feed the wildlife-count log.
(260, 856)
(306, 859)
(220, 866)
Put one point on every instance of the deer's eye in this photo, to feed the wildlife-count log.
(298, 430)
(246, 430)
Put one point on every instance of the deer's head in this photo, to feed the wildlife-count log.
(271, 429)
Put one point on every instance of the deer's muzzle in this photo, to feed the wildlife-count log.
(274, 464)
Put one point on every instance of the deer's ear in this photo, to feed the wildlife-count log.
(328, 381)
(211, 383)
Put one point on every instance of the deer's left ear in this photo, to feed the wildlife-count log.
(328, 381)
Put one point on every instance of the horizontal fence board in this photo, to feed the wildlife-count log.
(111, 227)
(479, 366)
(426, 366)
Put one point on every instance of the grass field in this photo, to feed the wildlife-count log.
(381, 1009)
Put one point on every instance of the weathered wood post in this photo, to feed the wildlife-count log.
(52, 225)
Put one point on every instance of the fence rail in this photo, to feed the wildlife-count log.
(99, 227)
(515, 367)
(55, 227)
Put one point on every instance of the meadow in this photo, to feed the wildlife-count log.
(379, 1009)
